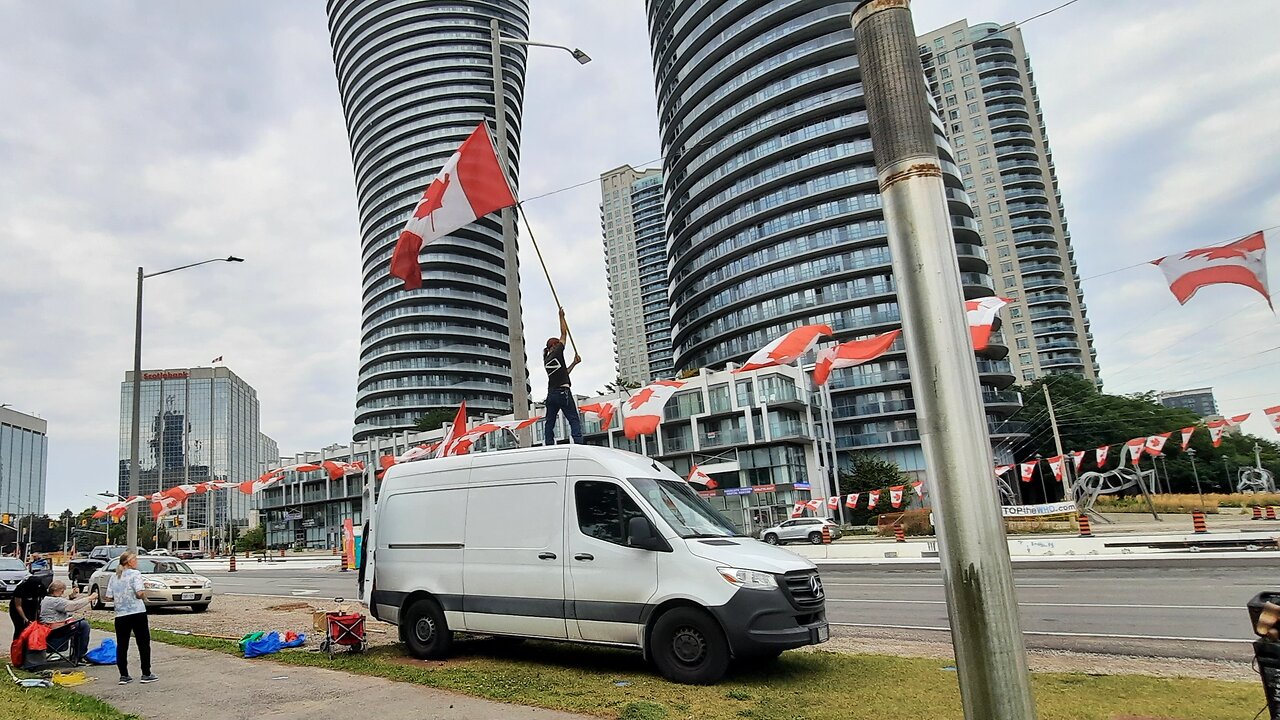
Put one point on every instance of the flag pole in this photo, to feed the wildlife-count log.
(536, 249)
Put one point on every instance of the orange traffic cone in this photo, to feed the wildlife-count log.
(232, 566)
(826, 534)
(1257, 512)
(1197, 521)
(1086, 530)
(1271, 512)
(899, 534)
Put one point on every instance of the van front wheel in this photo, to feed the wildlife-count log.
(425, 631)
(689, 647)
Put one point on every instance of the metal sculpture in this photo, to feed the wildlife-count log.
(1255, 480)
(1007, 496)
(1090, 485)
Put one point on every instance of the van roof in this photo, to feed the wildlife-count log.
(579, 459)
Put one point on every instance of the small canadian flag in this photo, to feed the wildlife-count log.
(1155, 443)
(1101, 455)
(833, 502)
(1002, 469)
(1216, 428)
(1135, 448)
(814, 504)
(982, 315)
(1028, 470)
(798, 509)
(1077, 459)
(895, 495)
(851, 501)
(1273, 414)
(469, 186)
(1238, 419)
(873, 497)
(1187, 432)
(1056, 464)
(918, 486)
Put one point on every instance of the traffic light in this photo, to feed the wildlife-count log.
(4, 518)
(84, 523)
(177, 521)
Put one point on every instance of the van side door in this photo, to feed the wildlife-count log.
(513, 563)
(610, 582)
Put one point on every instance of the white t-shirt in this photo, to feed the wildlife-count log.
(123, 590)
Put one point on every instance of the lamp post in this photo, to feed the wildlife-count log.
(1191, 453)
(1044, 489)
(134, 466)
(510, 254)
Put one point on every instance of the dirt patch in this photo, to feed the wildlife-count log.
(290, 606)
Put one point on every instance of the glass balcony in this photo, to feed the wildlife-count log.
(783, 430)
(1034, 179)
(1033, 221)
(996, 65)
(1011, 121)
(725, 437)
(999, 108)
(1038, 252)
(878, 438)
(1025, 192)
(1038, 298)
(1016, 164)
(1002, 397)
(1007, 427)
(1001, 95)
(888, 407)
(1054, 329)
(870, 379)
(978, 279)
(1028, 207)
(999, 137)
(1058, 345)
(1051, 313)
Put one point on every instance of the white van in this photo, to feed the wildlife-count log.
(586, 544)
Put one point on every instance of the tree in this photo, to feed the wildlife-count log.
(1088, 418)
(255, 538)
(870, 472)
(433, 419)
(618, 386)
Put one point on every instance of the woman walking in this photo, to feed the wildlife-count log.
(125, 590)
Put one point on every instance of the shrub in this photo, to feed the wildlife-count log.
(914, 523)
(1163, 503)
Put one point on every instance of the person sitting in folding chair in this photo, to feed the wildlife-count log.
(56, 610)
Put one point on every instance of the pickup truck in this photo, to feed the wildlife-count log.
(78, 571)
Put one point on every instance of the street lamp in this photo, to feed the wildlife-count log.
(1191, 453)
(134, 466)
(1044, 489)
(510, 256)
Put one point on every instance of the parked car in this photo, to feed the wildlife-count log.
(160, 551)
(191, 554)
(581, 543)
(79, 571)
(12, 572)
(800, 530)
(167, 583)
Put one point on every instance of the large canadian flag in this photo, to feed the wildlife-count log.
(164, 504)
(786, 348)
(469, 186)
(602, 410)
(849, 354)
(1243, 262)
(644, 408)
(1273, 414)
(982, 314)
(268, 478)
(454, 434)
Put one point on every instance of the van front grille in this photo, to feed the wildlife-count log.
(804, 587)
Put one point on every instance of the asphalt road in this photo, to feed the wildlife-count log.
(1191, 607)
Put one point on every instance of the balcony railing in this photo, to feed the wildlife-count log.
(724, 437)
(877, 438)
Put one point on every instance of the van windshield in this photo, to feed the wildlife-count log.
(681, 507)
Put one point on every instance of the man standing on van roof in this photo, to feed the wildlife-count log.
(559, 392)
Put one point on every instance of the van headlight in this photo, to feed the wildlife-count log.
(751, 579)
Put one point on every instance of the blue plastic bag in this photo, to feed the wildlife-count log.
(260, 644)
(104, 654)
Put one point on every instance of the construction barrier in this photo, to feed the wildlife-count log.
(826, 536)
(1086, 530)
(1257, 512)
(232, 566)
(1271, 512)
(899, 534)
(1197, 521)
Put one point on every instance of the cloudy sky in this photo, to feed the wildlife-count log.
(160, 133)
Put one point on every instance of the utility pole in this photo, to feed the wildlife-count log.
(991, 659)
(1057, 442)
(510, 255)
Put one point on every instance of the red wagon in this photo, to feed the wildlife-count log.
(343, 628)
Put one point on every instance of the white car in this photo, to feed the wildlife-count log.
(166, 583)
(160, 551)
(800, 529)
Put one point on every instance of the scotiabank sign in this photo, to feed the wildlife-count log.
(177, 375)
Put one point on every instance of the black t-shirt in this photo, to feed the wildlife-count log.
(557, 371)
(29, 592)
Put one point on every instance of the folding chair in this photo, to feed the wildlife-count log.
(57, 652)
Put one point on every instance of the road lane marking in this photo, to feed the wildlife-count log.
(1108, 636)
(304, 592)
(913, 585)
(1232, 608)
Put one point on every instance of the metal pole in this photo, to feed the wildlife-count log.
(1057, 443)
(827, 419)
(1192, 454)
(1226, 473)
(131, 516)
(510, 254)
(978, 578)
(1044, 489)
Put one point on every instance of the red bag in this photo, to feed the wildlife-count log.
(15, 652)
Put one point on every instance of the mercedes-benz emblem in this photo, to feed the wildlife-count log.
(815, 584)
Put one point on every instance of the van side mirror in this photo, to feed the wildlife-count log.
(641, 534)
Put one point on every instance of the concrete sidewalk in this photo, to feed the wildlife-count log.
(200, 684)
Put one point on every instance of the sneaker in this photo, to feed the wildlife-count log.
(148, 678)
(125, 680)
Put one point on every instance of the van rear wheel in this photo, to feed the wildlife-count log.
(424, 630)
(689, 647)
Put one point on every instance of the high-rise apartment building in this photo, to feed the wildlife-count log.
(1199, 401)
(635, 250)
(24, 453)
(774, 215)
(197, 425)
(984, 87)
(416, 79)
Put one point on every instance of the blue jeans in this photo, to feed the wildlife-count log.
(77, 632)
(561, 400)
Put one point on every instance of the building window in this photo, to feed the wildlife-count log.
(968, 184)
(1023, 344)
(1028, 375)
(1024, 358)
(962, 156)
(984, 149)
(1006, 267)
(951, 100)
(1001, 236)
(1019, 328)
(1010, 281)
(985, 163)
(978, 224)
(992, 193)
(971, 94)
(988, 179)
(1003, 251)
(948, 86)
(953, 114)
(997, 221)
(979, 135)
(965, 66)
(973, 108)
(993, 207)
(966, 170)
(938, 44)
(967, 80)
(955, 127)
(946, 73)
(958, 140)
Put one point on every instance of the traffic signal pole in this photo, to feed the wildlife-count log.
(977, 576)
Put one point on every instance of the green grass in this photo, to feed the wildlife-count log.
(798, 686)
(53, 704)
